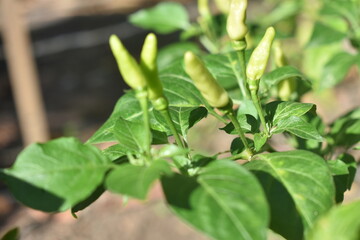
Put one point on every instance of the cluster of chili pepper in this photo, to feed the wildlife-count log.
(144, 79)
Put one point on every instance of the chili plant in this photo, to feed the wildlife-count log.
(294, 193)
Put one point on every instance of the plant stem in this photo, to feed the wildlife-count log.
(216, 115)
(141, 95)
(233, 63)
(170, 123)
(242, 63)
(257, 104)
(239, 130)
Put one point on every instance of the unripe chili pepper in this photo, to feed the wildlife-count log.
(236, 26)
(129, 68)
(204, 10)
(287, 86)
(205, 82)
(149, 67)
(259, 59)
(223, 5)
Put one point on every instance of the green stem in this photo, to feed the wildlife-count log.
(216, 115)
(257, 104)
(233, 63)
(239, 130)
(171, 125)
(242, 63)
(141, 95)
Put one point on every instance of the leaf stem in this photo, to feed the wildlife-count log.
(257, 104)
(239, 130)
(171, 125)
(142, 95)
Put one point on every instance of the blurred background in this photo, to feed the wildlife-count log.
(62, 47)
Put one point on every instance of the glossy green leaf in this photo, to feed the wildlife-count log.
(284, 216)
(135, 181)
(225, 201)
(89, 200)
(286, 110)
(304, 175)
(163, 18)
(341, 222)
(131, 135)
(56, 175)
(299, 127)
(336, 69)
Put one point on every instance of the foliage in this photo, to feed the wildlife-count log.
(293, 193)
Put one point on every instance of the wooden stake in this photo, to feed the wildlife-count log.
(23, 74)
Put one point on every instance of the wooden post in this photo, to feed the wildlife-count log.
(23, 73)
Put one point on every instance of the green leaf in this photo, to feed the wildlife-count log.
(315, 59)
(56, 175)
(171, 150)
(183, 118)
(274, 77)
(286, 110)
(304, 175)
(343, 170)
(342, 222)
(284, 216)
(88, 201)
(227, 72)
(115, 152)
(12, 234)
(345, 131)
(175, 51)
(164, 18)
(135, 181)
(299, 127)
(225, 201)
(131, 135)
(336, 69)
(324, 34)
(259, 141)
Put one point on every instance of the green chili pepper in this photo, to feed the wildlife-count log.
(149, 67)
(223, 5)
(204, 10)
(129, 68)
(259, 59)
(236, 26)
(205, 82)
(287, 86)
